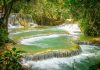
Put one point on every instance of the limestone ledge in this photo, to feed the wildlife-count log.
(54, 53)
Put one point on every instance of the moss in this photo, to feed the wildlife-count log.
(88, 38)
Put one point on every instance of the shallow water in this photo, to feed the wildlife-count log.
(89, 56)
(49, 41)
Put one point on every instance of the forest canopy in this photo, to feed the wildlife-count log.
(54, 12)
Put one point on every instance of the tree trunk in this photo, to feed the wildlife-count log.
(4, 23)
(3, 31)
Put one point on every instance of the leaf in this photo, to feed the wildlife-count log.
(14, 49)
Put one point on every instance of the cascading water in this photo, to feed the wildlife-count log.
(89, 56)
(73, 29)
(82, 61)
(14, 23)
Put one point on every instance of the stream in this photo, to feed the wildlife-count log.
(90, 54)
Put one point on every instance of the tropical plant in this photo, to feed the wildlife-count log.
(6, 7)
(9, 60)
(47, 12)
(87, 12)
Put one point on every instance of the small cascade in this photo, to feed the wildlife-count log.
(73, 29)
(51, 54)
(77, 62)
(16, 22)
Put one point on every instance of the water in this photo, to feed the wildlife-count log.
(38, 38)
(73, 29)
(88, 57)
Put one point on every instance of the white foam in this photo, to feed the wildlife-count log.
(54, 63)
(33, 39)
(71, 28)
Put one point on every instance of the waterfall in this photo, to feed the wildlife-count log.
(14, 23)
(77, 62)
(78, 59)
(51, 54)
(73, 29)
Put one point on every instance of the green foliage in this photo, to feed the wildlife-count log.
(7, 6)
(87, 12)
(95, 67)
(9, 60)
(19, 5)
(3, 36)
(47, 12)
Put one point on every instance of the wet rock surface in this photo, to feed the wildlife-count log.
(53, 53)
(93, 42)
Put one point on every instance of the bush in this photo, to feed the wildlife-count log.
(95, 67)
(87, 12)
(9, 60)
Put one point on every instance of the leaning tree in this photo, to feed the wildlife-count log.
(6, 7)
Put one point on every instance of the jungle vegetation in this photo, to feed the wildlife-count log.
(52, 12)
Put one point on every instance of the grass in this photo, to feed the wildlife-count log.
(88, 38)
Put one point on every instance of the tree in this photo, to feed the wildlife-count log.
(87, 12)
(7, 6)
(47, 12)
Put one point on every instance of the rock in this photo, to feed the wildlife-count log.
(55, 53)
(91, 42)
